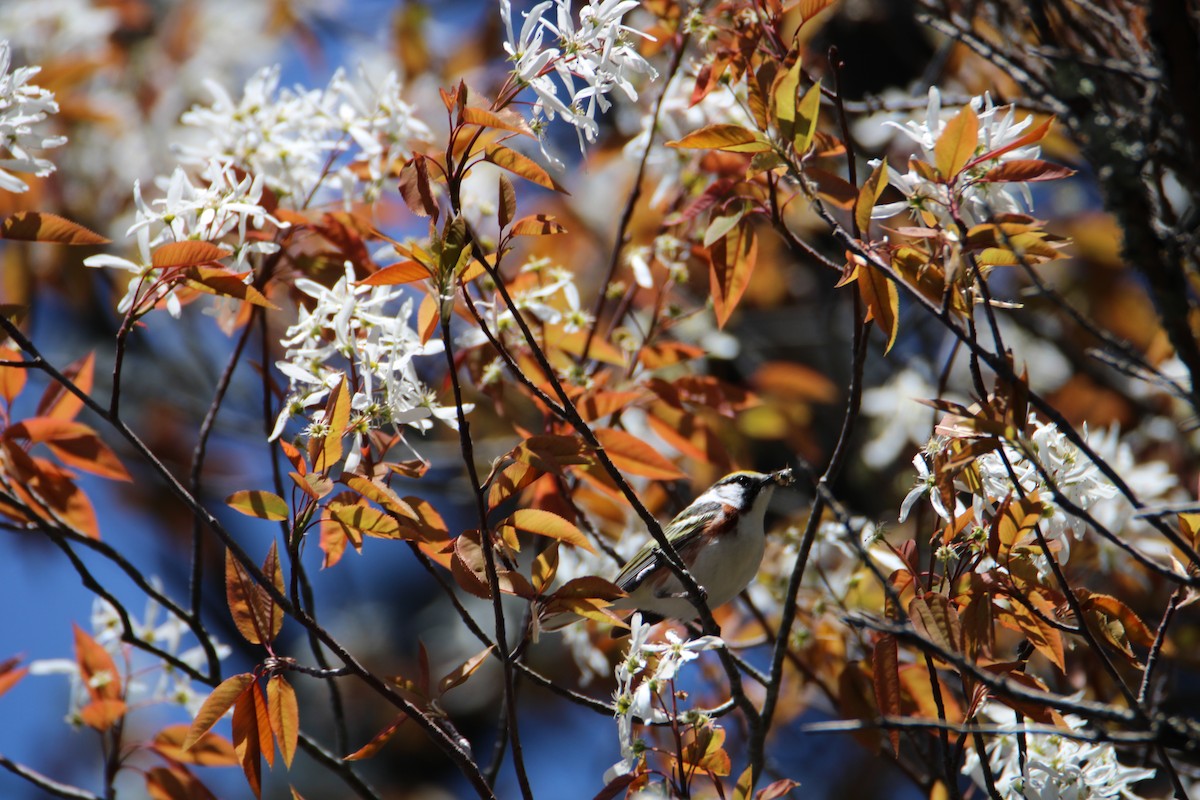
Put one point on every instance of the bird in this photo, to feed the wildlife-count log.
(720, 537)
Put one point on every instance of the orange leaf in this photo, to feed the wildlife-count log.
(868, 196)
(957, 142)
(247, 741)
(364, 520)
(631, 454)
(886, 677)
(254, 614)
(731, 263)
(191, 253)
(285, 716)
(102, 714)
(12, 379)
(730, 138)
(37, 226)
(404, 272)
(1026, 170)
(96, 667)
(520, 165)
(486, 119)
(537, 225)
(259, 504)
(882, 301)
(56, 401)
(935, 618)
(377, 741)
(1036, 134)
(326, 451)
(380, 494)
(9, 674)
(549, 524)
(74, 443)
(215, 706)
(463, 671)
(210, 750)
(175, 783)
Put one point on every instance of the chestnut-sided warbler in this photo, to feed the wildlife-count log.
(720, 537)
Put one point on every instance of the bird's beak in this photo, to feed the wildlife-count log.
(783, 477)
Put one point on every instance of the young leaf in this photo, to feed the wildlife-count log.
(731, 263)
(463, 671)
(730, 138)
(328, 448)
(215, 706)
(520, 165)
(377, 741)
(379, 493)
(506, 209)
(486, 119)
(102, 714)
(285, 716)
(247, 737)
(882, 300)
(210, 750)
(631, 454)
(886, 677)
(868, 196)
(416, 188)
(1026, 170)
(807, 111)
(254, 613)
(259, 504)
(783, 99)
(396, 274)
(97, 669)
(9, 674)
(537, 225)
(12, 379)
(56, 401)
(541, 574)
(191, 253)
(935, 618)
(546, 523)
(956, 144)
(39, 226)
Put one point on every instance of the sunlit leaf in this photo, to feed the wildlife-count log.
(103, 714)
(1026, 170)
(39, 226)
(74, 443)
(59, 403)
(463, 671)
(936, 619)
(404, 272)
(210, 750)
(486, 119)
(96, 667)
(631, 454)
(537, 225)
(379, 493)
(284, 715)
(174, 782)
(868, 196)
(247, 737)
(882, 300)
(546, 523)
(259, 504)
(520, 165)
(215, 706)
(730, 138)
(378, 740)
(731, 263)
(190, 253)
(10, 674)
(807, 111)
(957, 142)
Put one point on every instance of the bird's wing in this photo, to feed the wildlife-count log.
(686, 532)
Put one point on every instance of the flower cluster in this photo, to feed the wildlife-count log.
(303, 140)
(357, 330)
(930, 202)
(169, 686)
(220, 212)
(22, 105)
(645, 675)
(596, 51)
(1053, 767)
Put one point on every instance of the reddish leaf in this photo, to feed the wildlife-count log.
(882, 300)
(247, 737)
(936, 619)
(1036, 134)
(537, 225)
(1026, 170)
(631, 454)
(56, 401)
(102, 714)
(191, 253)
(210, 750)
(486, 119)
(74, 443)
(417, 189)
(379, 493)
(254, 613)
(463, 671)
(285, 716)
(886, 677)
(506, 209)
(731, 263)
(377, 741)
(96, 667)
(37, 226)
(175, 783)
(215, 706)
(223, 283)
(12, 379)
(404, 272)
(10, 675)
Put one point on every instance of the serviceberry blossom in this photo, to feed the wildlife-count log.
(645, 675)
(362, 331)
(1072, 476)
(148, 680)
(544, 291)
(221, 210)
(930, 203)
(1055, 767)
(304, 140)
(22, 106)
(590, 57)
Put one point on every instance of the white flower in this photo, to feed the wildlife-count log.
(22, 105)
(596, 51)
(1055, 767)
(930, 203)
